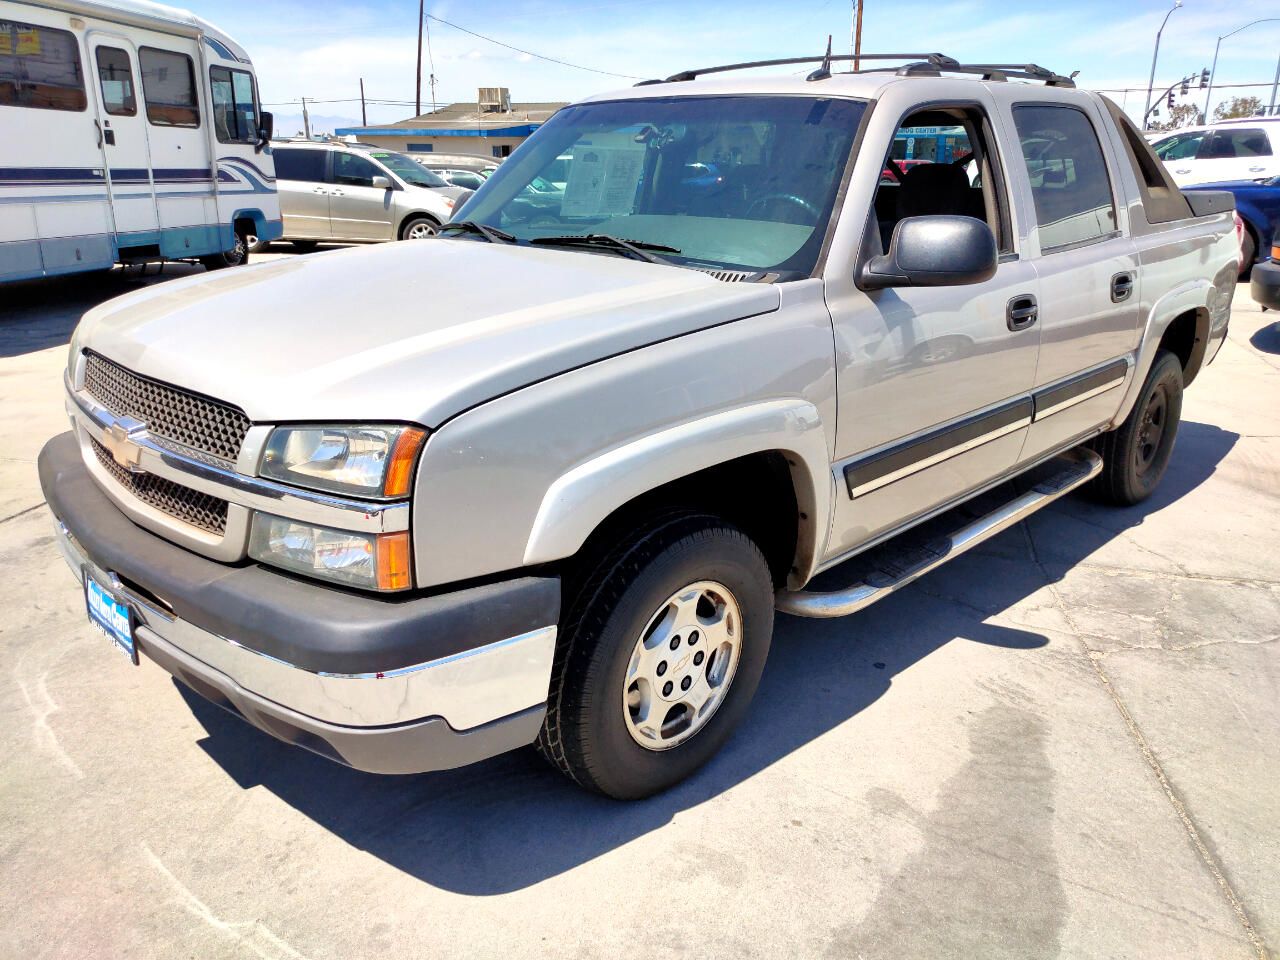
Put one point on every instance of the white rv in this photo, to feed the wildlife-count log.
(129, 131)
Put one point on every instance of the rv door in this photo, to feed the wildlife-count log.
(113, 74)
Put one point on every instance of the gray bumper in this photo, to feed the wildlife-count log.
(1265, 285)
(467, 680)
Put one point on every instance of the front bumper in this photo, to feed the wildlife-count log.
(400, 685)
(1265, 285)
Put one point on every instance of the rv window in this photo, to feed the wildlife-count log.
(169, 85)
(117, 82)
(235, 115)
(40, 68)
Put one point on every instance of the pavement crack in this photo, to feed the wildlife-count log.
(21, 513)
(1171, 794)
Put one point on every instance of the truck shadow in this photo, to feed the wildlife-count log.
(39, 314)
(511, 822)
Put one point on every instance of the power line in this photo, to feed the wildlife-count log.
(530, 53)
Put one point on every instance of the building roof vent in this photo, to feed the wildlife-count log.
(494, 100)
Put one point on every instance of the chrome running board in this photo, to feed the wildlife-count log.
(895, 568)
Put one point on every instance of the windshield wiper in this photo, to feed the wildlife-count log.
(638, 249)
(492, 234)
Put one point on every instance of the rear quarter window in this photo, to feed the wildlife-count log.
(304, 165)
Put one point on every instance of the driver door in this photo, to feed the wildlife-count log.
(933, 382)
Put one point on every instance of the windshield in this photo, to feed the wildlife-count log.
(742, 183)
(408, 169)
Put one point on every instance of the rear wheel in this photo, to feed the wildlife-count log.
(418, 228)
(1136, 453)
(660, 654)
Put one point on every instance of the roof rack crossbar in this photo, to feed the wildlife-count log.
(918, 65)
(790, 61)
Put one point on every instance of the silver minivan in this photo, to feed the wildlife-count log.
(356, 193)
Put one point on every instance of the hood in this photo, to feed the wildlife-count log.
(415, 331)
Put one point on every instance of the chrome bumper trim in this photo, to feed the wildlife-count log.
(467, 689)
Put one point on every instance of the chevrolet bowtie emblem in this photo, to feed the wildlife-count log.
(118, 440)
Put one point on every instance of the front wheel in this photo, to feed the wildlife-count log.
(1136, 454)
(660, 655)
(419, 228)
(237, 256)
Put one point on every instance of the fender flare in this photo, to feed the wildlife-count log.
(265, 228)
(1188, 297)
(584, 496)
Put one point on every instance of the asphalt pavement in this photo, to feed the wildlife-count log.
(1065, 744)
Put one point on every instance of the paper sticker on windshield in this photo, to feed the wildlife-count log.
(603, 178)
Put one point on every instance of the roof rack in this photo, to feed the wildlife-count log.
(918, 65)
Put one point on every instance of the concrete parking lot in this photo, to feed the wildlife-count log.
(1065, 744)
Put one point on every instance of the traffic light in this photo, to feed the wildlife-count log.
(1171, 101)
(1204, 79)
(1186, 86)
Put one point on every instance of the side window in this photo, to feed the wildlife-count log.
(1232, 142)
(1181, 146)
(40, 68)
(1069, 181)
(116, 79)
(939, 164)
(235, 112)
(354, 170)
(304, 165)
(169, 86)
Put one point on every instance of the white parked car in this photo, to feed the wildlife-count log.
(1246, 149)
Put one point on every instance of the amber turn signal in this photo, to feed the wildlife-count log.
(400, 467)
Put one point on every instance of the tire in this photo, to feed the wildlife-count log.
(304, 246)
(237, 256)
(1248, 253)
(418, 228)
(680, 567)
(1136, 453)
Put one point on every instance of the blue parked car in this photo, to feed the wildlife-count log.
(1258, 203)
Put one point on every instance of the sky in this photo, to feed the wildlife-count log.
(321, 48)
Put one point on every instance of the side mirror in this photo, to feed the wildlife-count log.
(940, 251)
(381, 183)
(266, 130)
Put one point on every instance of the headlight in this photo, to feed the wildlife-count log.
(372, 561)
(363, 461)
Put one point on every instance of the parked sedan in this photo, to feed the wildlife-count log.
(1258, 203)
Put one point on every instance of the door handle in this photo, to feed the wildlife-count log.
(1257, 169)
(336, 193)
(1183, 170)
(1022, 312)
(97, 126)
(1121, 287)
(319, 190)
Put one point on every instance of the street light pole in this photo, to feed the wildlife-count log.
(1155, 54)
(1214, 69)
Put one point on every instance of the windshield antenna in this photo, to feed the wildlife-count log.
(824, 71)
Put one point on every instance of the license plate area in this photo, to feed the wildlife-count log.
(111, 615)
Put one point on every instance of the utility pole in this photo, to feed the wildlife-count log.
(418, 74)
(306, 119)
(1146, 110)
(1214, 69)
(364, 120)
(855, 38)
(1271, 110)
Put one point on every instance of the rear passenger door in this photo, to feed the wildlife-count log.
(358, 209)
(1236, 153)
(301, 183)
(1087, 269)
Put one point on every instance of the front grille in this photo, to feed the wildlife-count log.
(183, 503)
(208, 426)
